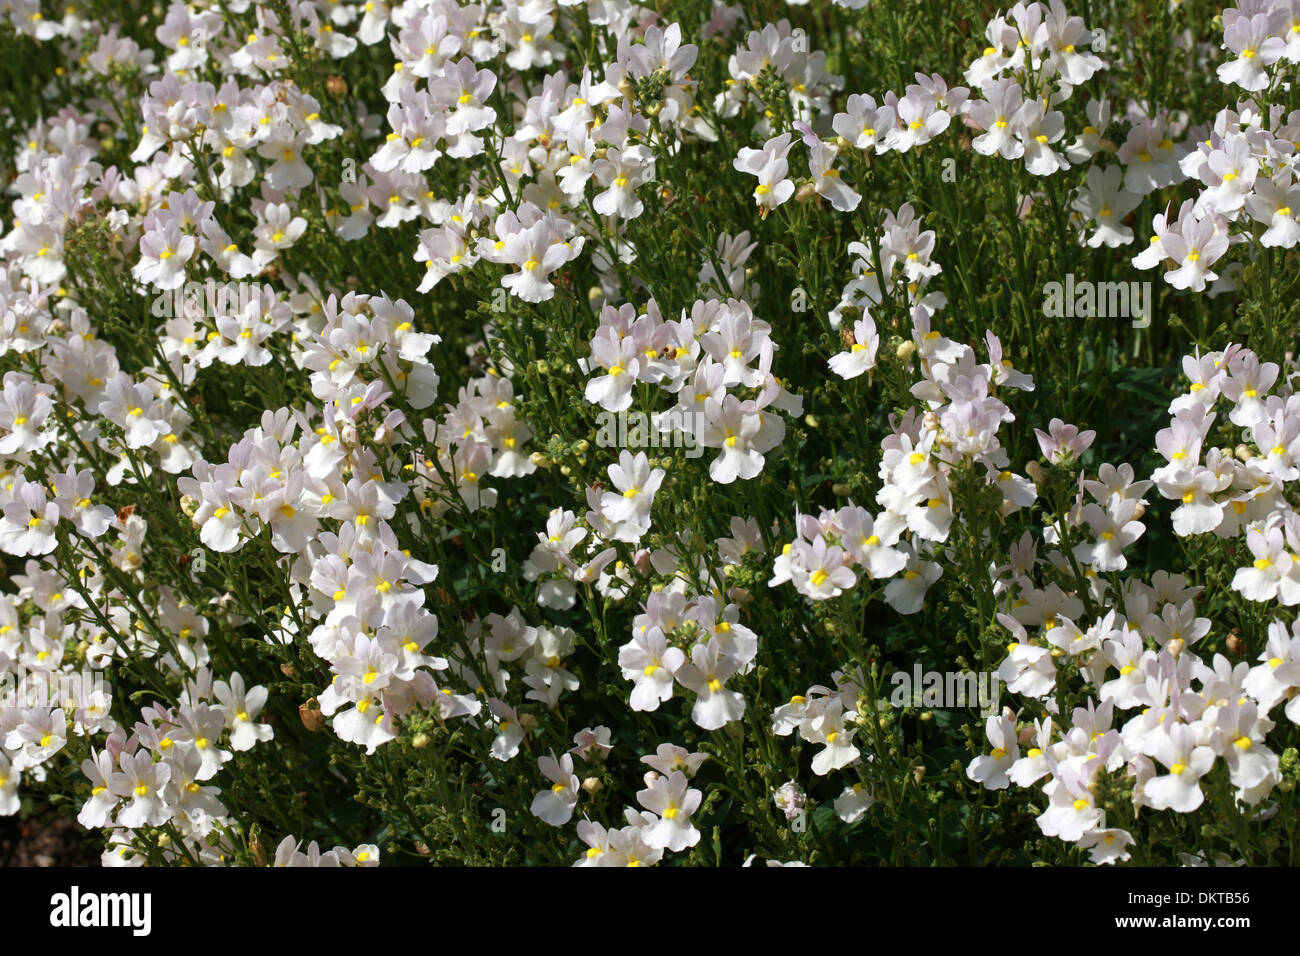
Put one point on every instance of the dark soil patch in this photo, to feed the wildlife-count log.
(52, 841)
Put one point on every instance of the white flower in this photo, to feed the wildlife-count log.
(853, 803)
(1106, 846)
(1276, 204)
(705, 674)
(133, 408)
(1071, 811)
(621, 172)
(770, 167)
(240, 708)
(861, 356)
(628, 508)
(1249, 38)
(1187, 762)
(1105, 202)
(555, 806)
(672, 798)
(1193, 246)
(828, 727)
(651, 664)
(141, 782)
(990, 769)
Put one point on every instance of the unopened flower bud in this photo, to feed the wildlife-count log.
(256, 848)
(805, 192)
(1243, 452)
(420, 741)
(739, 596)
(337, 86)
(1035, 472)
(905, 351)
(540, 460)
(528, 721)
(592, 785)
(841, 490)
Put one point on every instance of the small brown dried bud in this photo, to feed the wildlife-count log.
(337, 86)
(310, 715)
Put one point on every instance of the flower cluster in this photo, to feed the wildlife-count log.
(308, 310)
